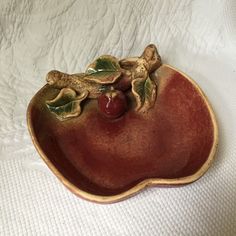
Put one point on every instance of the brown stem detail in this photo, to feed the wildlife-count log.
(76, 82)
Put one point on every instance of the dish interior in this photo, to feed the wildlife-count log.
(107, 157)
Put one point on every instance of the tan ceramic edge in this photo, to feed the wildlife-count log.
(140, 186)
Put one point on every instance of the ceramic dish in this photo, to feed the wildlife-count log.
(106, 160)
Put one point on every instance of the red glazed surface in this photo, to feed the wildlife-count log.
(107, 157)
(112, 104)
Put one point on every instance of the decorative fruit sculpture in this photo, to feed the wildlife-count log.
(112, 103)
(106, 73)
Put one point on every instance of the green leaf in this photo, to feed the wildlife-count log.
(67, 104)
(144, 91)
(105, 70)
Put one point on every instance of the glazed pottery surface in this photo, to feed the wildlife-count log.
(106, 160)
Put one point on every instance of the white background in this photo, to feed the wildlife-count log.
(198, 37)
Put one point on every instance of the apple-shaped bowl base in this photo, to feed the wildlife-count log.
(107, 160)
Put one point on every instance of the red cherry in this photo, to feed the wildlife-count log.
(112, 103)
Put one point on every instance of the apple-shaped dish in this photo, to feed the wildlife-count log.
(107, 160)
